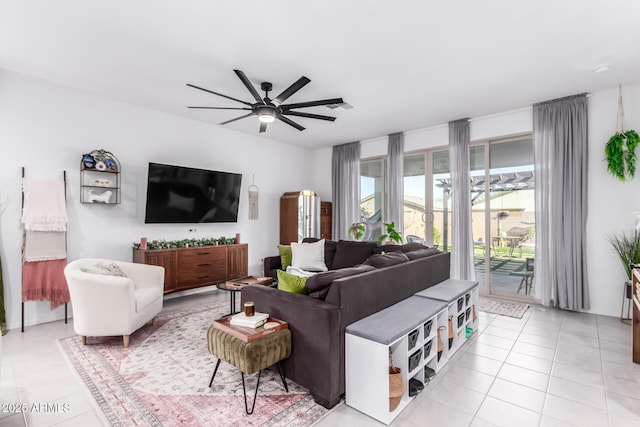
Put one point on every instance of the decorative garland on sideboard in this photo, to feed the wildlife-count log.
(187, 243)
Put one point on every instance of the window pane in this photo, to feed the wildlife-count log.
(512, 216)
(372, 173)
(414, 202)
(442, 214)
(478, 189)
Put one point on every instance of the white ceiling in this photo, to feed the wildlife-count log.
(403, 65)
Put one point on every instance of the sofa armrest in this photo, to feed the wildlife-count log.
(315, 334)
(271, 265)
(143, 275)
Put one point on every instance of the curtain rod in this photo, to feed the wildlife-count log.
(566, 98)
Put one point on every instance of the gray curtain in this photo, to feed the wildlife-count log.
(3, 318)
(395, 181)
(561, 164)
(462, 236)
(345, 186)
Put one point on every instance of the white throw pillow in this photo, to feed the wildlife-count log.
(300, 272)
(308, 256)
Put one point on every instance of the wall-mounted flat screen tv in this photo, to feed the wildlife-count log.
(177, 194)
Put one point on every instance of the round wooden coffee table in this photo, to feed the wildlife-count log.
(232, 288)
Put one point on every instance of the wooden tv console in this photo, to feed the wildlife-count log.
(189, 268)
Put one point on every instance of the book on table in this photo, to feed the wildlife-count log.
(255, 321)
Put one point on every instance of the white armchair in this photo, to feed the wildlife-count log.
(106, 305)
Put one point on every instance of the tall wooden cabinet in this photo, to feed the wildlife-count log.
(326, 220)
(299, 216)
(189, 268)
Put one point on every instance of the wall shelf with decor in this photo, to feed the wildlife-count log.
(99, 178)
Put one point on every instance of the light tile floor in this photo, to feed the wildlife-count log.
(550, 368)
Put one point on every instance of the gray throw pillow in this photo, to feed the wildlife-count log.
(102, 269)
(386, 260)
(422, 253)
(407, 247)
(319, 284)
(350, 253)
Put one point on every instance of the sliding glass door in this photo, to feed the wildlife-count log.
(502, 210)
(510, 217)
(427, 202)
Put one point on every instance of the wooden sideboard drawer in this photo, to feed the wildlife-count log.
(188, 268)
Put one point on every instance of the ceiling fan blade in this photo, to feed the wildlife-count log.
(219, 94)
(249, 86)
(313, 103)
(221, 108)
(309, 115)
(237, 118)
(299, 84)
(263, 127)
(290, 122)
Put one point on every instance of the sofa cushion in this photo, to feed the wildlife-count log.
(285, 255)
(350, 253)
(407, 247)
(319, 284)
(145, 296)
(292, 283)
(422, 253)
(329, 250)
(308, 256)
(387, 259)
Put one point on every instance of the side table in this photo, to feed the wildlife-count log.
(234, 286)
(250, 356)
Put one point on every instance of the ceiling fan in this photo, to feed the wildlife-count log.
(267, 109)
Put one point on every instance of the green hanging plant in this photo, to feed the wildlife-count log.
(621, 156)
(620, 151)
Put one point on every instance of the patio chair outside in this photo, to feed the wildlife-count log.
(515, 237)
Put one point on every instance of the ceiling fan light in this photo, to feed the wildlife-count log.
(267, 117)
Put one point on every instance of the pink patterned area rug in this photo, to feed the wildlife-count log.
(162, 379)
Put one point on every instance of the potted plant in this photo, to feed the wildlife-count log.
(627, 248)
(392, 235)
(357, 230)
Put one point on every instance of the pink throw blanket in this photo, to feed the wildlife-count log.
(45, 281)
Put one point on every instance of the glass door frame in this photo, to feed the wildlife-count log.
(428, 216)
(485, 289)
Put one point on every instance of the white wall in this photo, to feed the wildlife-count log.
(611, 202)
(47, 127)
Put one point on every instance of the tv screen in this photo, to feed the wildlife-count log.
(177, 194)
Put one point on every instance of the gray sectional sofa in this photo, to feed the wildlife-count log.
(361, 280)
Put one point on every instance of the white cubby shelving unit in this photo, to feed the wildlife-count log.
(408, 328)
(461, 297)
